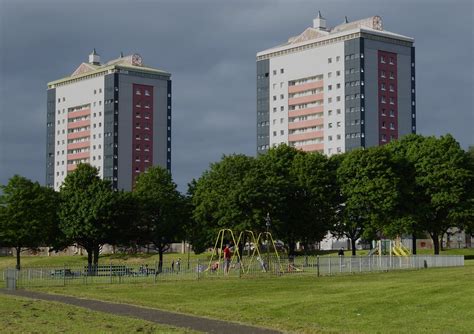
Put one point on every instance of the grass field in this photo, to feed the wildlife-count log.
(49, 261)
(22, 315)
(437, 300)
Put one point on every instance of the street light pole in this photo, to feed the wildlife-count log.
(267, 225)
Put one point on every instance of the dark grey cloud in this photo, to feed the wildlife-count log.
(209, 47)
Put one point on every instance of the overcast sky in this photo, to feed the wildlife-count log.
(209, 47)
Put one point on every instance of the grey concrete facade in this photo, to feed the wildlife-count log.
(161, 122)
(354, 107)
(111, 129)
(50, 135)
(263, 105)
(413, 91)
(404, 87)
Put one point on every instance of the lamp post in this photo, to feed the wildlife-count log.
(267, 225)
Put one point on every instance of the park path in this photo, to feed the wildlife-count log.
(149, 314)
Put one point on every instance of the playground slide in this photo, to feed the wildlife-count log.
(373, 251)
(400, 251)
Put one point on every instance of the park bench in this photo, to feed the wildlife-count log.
(108, 270)
(60, 273)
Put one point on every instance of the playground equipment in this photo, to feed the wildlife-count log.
(252, 244)
(389, 247)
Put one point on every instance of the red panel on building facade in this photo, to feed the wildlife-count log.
(388, 96)
(142, 122)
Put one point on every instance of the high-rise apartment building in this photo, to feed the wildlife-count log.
(115, 116)
(332, 90)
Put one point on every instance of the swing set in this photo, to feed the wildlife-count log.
(245, 263)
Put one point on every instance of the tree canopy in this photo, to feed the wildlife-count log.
(89, 210)
(28, 216)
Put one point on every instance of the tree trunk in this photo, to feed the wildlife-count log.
(353, 246)
(413, 244)
(96, 255)
(291, 247)
(18, 254)
(160, 260)
(468, 239)
(435, 238)
(89, 259)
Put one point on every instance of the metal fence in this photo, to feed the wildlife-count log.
(200, 269)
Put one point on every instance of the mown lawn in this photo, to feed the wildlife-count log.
(76, 260)
(60, 261)
(435, 300)
(23, 315)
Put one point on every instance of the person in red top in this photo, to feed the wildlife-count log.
(227, 256)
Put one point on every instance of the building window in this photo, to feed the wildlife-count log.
(282, 70)
(338, 58)
(147, 93)
(383, 112)
(382, 59)
(329, 112)
(392, 113)
(338, 137)
(392, 100)
(384, 137)
(392, 75)
(329, 125)
(329, 74)
(329, 87)
(338, 85)
(282, 108)
(339, 150)
(282, 120)
(338, 111)
(274, 133)
(383, 125)
(330, 100)
(329, 60)
(282, 132)
(274, 98)
(338, 73)
(338, 124)
(382, 99)
(274, 72)
(274, 109)
(382, 74)
(392, 126)
(391, 60)
(338, 98)
(282, 96)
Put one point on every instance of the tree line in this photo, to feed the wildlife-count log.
(416, 186)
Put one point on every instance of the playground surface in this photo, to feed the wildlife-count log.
(435, 300)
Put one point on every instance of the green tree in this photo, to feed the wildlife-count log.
(28, 216)
(442, 182)
(89, 211)
(469, 221)
(222, 198)
(368, 192)
(294, 187)
(162, 210)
